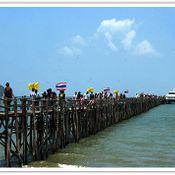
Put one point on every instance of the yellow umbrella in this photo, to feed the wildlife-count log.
(34, 85)
(30, 86)
(90, 89)
(115, 91)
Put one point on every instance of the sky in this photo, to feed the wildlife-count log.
(124, 48)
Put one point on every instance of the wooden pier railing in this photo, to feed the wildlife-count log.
(32, 129)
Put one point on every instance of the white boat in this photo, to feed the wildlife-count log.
(170, 97)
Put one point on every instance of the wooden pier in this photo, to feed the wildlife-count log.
(32, 129)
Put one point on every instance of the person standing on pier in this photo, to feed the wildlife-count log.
(92, 98)
(117, 97)
(75, 96)
(32, 93)
(86, 96)
(62, 95)
(62, 98)
(8, 94)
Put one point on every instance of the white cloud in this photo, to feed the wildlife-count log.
(117, 32)
(121, 34)
(70, 51)
(127, 41)
(145, 47)
(111, 45)
(113, 25)
(117, 35)
(78, 40)
(73, 48)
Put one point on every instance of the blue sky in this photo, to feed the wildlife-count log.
(121, 47)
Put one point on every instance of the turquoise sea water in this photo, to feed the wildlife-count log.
(146, 140)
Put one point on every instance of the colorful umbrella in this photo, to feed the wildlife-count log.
(106, 89)
(90, 89)
(34, 85)
(116, 91)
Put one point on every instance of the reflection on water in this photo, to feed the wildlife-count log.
(146, 140)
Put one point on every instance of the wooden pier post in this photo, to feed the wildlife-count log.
(24, 129)
(7, 134)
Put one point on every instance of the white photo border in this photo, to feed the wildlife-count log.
(91, 3)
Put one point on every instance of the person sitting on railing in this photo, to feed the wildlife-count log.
(8, 94)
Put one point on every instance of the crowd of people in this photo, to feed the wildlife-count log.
(77, 97)
(34, 94)
(50, 94)
(91, 96)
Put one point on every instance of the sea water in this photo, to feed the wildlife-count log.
(146, 140)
